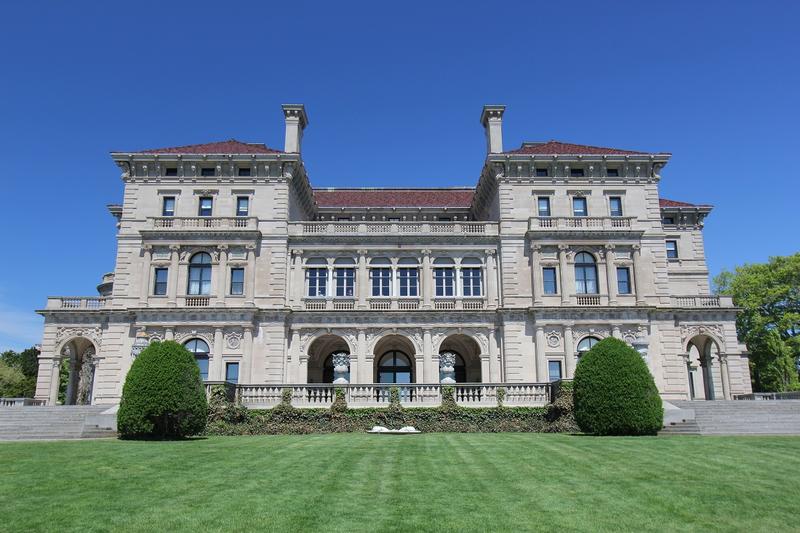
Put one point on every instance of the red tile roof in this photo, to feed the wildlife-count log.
(560, 148)
(454, 198)
(663, 202)
(231, 146)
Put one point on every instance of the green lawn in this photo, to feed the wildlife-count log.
(431, 482)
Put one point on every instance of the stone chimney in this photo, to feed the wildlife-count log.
(492, 121)
(296, 122)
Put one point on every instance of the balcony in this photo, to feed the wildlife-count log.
(583, 225)
(702, 301)
(240, 226)
(393, 304)
(366, 229)
(76, 302)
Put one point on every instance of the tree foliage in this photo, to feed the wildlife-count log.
(163, 395)
(18, 372)
(614, 392)
(769, 323)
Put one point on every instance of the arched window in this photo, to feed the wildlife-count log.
(395, 367)
(586, 344)
(200, 274)
(199, 348)
(585, 274)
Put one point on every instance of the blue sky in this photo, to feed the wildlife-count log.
(393, 95)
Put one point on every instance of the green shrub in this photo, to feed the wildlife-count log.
(163, 396)
(222, 408)
(561, 412)
(615, 393)
(339, 404)
(13, 383)
(448, 397)
(501, 396)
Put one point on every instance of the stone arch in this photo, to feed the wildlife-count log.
(319, 352)
(703, 375)
(77, 356)
(412, 337)
(389, 348)
(469, 351)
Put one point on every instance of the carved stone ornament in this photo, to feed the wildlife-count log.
(554, 339)
(715, 331)
(577, 333)
(233, 340)
(447, 367)
(94, 334)
(341, 366)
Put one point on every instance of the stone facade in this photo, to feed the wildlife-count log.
(229, 244)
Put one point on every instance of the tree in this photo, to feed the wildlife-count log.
(25, 367)
(769, 323)
(163, 395)
(614, 392)
(13, 383)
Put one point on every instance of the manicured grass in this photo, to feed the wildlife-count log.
(429, 482)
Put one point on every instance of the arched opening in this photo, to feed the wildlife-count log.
(199, 348)
(200, 274)
(76, 372)
(320, 358)
(702, 373)
(467, 368)
(394, 360)
(586, 344)
(585, 274)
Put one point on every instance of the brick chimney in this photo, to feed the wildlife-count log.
(296, 122)
(492, 121)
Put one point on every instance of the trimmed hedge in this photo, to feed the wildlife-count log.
(615, 393)
(163, 396)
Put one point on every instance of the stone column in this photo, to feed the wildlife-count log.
(638, 275)
(494, 361)
(247, 359)
(172, 278)
(145, 279)
(250, 276)
(427, 355)
(569, 352)
(427, 279)
(491, 278)
(54, 380)
(563, 267)
(222, 274)
(726, 378)
(536, 274)
(216, 373)
(541, 356)
(360, 374)
(362, 280)
(486, 371)
(299, 284)
(294, 358)
(611, 274)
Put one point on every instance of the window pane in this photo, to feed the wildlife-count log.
(409, 285)
(237, 281)
(205, 208)
(544, 206)
(549, 279)
(242, 206)
(345, 281)
(169, 206)
(202, 362)
(232, 372)
(444, 278)
(615, 203)
(317, 281)
(244, 171)
(471, 280)
(672, 249)
(381, 281)
(624, 280)
(579, 207)
(160, 287)
(554, 370)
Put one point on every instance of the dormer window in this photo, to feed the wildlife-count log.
(541, 172)
(576, 172)
(612, 172)
(244, 171)
(171, 171)
(668, 221)
(208, 171)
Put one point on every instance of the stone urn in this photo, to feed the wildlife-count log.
(447, 367)
(341, 368)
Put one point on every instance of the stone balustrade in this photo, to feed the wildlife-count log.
(393, 228)
(76, 302)
(702, 301)
(580, 223)
(202, 223)
(20, 402)
(411, 395)
(393, 304)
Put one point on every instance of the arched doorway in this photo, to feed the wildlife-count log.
(320, 358)
(703, 375)
(467, 368)
(394, 360)
(76, 372)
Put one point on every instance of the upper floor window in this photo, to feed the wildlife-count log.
(408, 277)
(549, 280)
(444, 277)
(208, 171)
(345, 280)
(615, 206)
(672, 249)
(244, 171)
(576, 172)
(579, 208)
(541, 172)
(445, 219)
(381, 281)
(199, 348)
(160, 282)
(668, 220)
(171, 171)
(393, 219)
(232, 372)
(205, 206)
(168, 206)
(200, 274)
(586, 344)
(612, 172)
(554, 370)
(543, 205)
(471, 277)
(624, 280)
(242, 206)
(237, 281)
(317, 281)
(585, 274)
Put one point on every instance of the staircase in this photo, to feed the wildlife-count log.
(738, 417)
(59, 422)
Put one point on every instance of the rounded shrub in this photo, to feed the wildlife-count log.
(614, 392)
(163, 396)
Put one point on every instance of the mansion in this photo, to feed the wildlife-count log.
(272, 283)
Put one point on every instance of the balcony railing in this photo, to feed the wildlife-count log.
(702, 301)
(393, 228)
(76, 302)
(393, 304)
(411, 395)
(581, 223)
(588, 299)
(202, 223)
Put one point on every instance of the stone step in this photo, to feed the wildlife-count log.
(687, 427)
(62, 422)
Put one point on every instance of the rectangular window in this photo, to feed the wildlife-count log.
(444, 279)
(317, 282)
(409, 281)
(232, 372)
(543, 204)
(445, 219)
(471, 280)
(549, 280)
(393, 219)
(381, 281)
(202, 362)
(624, 280)
(554, 370)
(171, 171)
(612, 172)
(208, 171)
(345, 279)
(160, 283)
(237, 281)
(343, 219)
(672, 249)
(576, 172)
(579, 207)
(242, 206)
(668, 220)
(244, 171)
(205, 206)
(615, 205)
(541, 172)
(168, 207)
